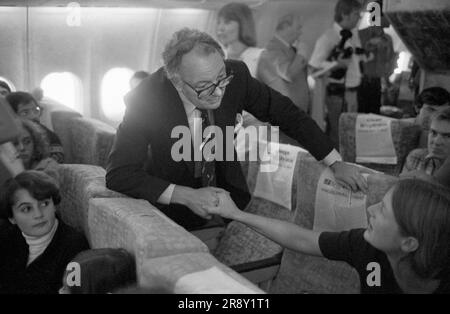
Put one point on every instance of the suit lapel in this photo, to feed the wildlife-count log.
(176, 115)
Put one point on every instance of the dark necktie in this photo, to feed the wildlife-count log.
(206, 168)
(294, 49)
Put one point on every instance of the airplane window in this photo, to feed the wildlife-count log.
(115, 85)
(65, 88)
(11, 85)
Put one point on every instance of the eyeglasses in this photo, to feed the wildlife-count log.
(208, 91)
(27, 112)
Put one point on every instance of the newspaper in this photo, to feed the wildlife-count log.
(276, 186)
(373, 139)
(337, 208)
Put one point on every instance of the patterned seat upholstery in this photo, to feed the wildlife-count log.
(244, 249)
(60, 121)
(91, 141)
(405, 136)
(80, 183)
(139, 227)
(167, 271)
(302, 273)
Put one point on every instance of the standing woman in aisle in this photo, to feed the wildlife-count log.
(236, 32)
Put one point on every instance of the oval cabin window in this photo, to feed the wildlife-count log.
(65, 88)
(10, 84)
(115, 85)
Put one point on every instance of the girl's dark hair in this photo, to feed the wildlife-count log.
(39, 184)
(240, 13)
(20, 98)
(104, 270)
(422, 210)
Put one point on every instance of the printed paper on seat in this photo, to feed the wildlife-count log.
(373, 139)
(337, 208)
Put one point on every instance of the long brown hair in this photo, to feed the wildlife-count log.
(422, 210)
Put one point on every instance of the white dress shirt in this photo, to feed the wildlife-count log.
(325, 45)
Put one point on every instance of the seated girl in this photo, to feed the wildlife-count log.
(34, 150)
(100, 271)
(407, 239)
(36, 246)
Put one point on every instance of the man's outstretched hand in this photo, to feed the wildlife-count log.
(350, 176)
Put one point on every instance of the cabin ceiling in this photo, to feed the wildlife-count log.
(424, 27)
(133, 3)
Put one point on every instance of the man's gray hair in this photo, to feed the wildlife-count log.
(182, 42)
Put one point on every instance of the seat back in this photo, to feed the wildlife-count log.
(79, 184)
(60, 122)
(194, 273)
(91, 141)
(405, 137)
(139, 227)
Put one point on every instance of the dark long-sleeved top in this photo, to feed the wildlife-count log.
(45, 274)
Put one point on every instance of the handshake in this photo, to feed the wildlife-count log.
(209, 201)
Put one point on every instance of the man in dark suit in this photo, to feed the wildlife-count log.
(197, 82)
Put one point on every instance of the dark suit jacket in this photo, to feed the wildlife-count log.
(45, 274)
(154, 108)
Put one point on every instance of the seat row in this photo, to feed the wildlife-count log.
(110, 219)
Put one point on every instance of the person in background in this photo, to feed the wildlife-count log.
(101, 271)
(35, 246)
(137, 78)
(430, 159)
(407, 237)
(342, 79)
(25, 106)
(283, 63)
(430, 101)
(236, 32)
(4, 88)
(376, 41)
(33, 149)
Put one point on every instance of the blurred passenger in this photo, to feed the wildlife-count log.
(236, 32)
(34, 150)
(35, 246)
(25, 106)
(101, 271)
(38, 94)
(375, 40)
(283, 64)
(338, 46)
(404, 249)
(431, 158)
(137, 78)
(430, 101)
